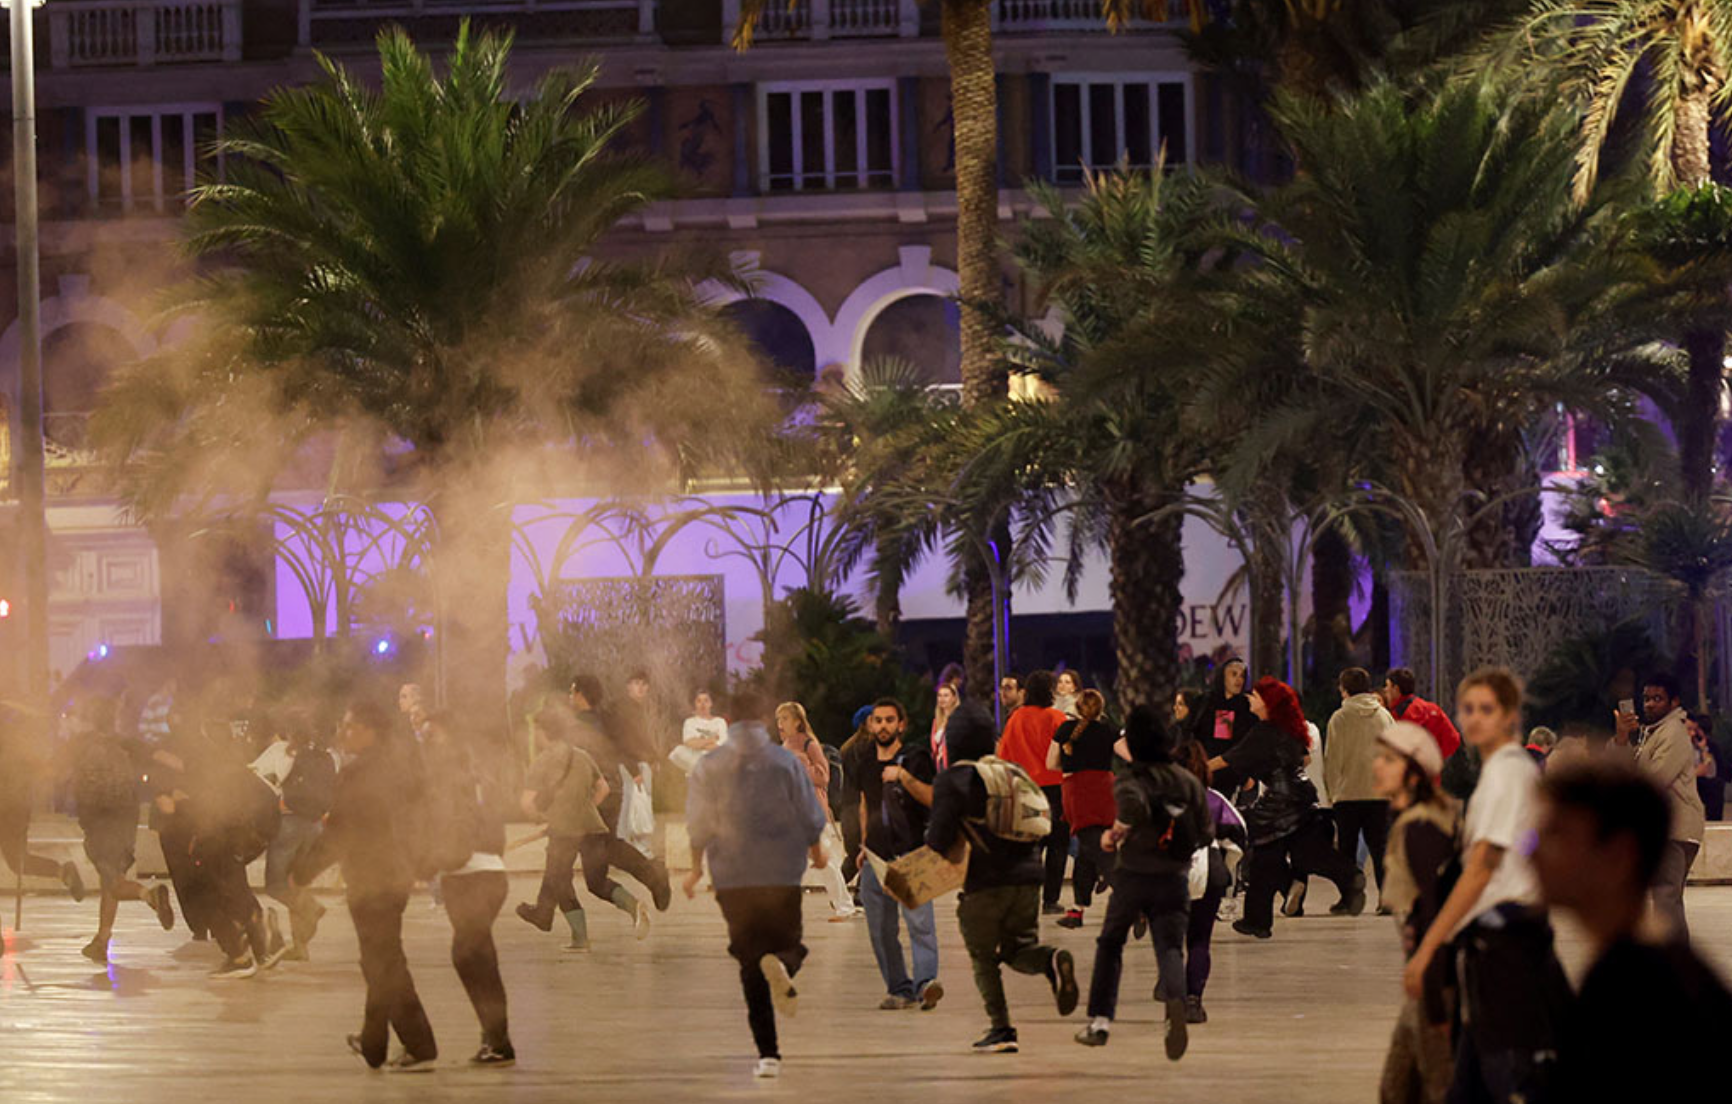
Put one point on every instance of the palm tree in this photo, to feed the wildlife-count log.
(1673, 57)
(1104, 462)
(1689, 542)
(1426, 273)
(966, 27)
(400, 287)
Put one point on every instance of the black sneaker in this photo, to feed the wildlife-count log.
(1244, 927)
(1140, 927)
(1352, 903)
(157, 898)
(1051, 910)
(1071, 919)
(1177, 1037)
(354, 1044)
(535, 919)
(999, 1040)
(1064, 988)
(72, 880)
(494, 1057)
(662, 891)
(1194, 1012)
(96, 951)
(1089, 1037)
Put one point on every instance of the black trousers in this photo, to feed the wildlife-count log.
(1369, 819)
(1275, 863)
(472, 901)
(14, 834)
(1091, 863)
(174, 834)
(1165, 901)
(849, 822)
(218, 884)
(1057, 848)
(762, 920)
(392, 1002)
(600, 854)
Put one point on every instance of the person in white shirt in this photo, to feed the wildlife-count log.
(703, 732)
(1513, 991)
(1662, 750)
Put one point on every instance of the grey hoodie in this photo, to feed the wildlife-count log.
(1351, 745)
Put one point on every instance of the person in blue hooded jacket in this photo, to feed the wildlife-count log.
(753, 816)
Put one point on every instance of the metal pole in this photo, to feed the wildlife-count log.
(32, 489)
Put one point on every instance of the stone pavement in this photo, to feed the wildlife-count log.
(1300, 1018)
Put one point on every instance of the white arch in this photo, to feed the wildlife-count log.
(914, 275)
(783, 291)
(72, 305)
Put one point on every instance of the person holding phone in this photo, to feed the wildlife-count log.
(1662, 750)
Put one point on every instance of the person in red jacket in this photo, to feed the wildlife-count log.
(1027, 739)
(1082, 749)
(1405, 705)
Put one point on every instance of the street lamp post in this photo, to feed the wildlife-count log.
(31, 476)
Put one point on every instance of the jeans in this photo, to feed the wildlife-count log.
(472, 901)
(1668, 888)
(295, 833)
(762, 920)
(1091, 863)
(1057, 847)
(881, 922)
(1310, 850)
(391, 998)
(1001, 927)
(1165, 900)
(1199, 935)
(1370, 819)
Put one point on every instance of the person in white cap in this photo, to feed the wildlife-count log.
(1422, 841)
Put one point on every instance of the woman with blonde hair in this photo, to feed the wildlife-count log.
(795, 732)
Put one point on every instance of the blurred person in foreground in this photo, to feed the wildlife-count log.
(374, 833)
(18, 743)
(753, 815)
(1649, 1016)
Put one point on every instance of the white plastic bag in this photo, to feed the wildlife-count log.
(1199, 873)
(637, 815)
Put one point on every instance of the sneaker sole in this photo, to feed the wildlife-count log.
(1067, 994)
(783, 995)
(1178, 1038)
(997, 1048)
(934, 993)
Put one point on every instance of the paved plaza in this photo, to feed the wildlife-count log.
(1302, 1017)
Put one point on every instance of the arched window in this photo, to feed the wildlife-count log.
(779, 336)
(76, 361)
(924, 330)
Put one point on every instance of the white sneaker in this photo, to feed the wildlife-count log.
(768, 1068)
(782, 992)
(641, 924)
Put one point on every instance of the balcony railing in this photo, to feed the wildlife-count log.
(821, 19)
(143, 32)
(335, 23)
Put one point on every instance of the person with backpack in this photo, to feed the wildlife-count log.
(303, 772)
(1163, 819)
(105, 790)
(374, 832)
(234, 816)
(566, 788)
(895, 794)
(795, 733)
(753, 815)
(1000, 812)
(1290, 836)
(466, 822)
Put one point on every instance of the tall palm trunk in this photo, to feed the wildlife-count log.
(1699, 426)
(1148, 564)
(472, 577)
(967, 29)
(1331, 605)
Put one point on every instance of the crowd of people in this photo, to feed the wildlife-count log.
(1212, 807)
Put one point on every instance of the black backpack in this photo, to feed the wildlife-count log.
(1170, 831)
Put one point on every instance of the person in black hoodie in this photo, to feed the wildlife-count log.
(373, 831)
(466, 820)
(1163, 818)
(999, 911)
(1225, 716)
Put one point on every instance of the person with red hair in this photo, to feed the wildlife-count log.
(1290, 836)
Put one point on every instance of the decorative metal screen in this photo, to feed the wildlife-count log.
(673, 627)
(1517, 617)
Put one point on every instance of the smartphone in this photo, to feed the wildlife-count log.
(1628, 705)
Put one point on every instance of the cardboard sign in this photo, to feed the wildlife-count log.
(922, 875)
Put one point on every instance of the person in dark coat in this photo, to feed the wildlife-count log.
(1225, 715)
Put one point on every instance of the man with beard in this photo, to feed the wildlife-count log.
(895, 794)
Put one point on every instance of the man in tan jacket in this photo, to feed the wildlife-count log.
(1348, 750)
(1662, 750)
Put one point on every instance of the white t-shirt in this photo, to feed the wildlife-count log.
(1504, 812)
(704, 728)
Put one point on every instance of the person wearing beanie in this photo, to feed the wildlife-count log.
(999, 911)
(1163, 819)
(1422, 844)
(1288, 830)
